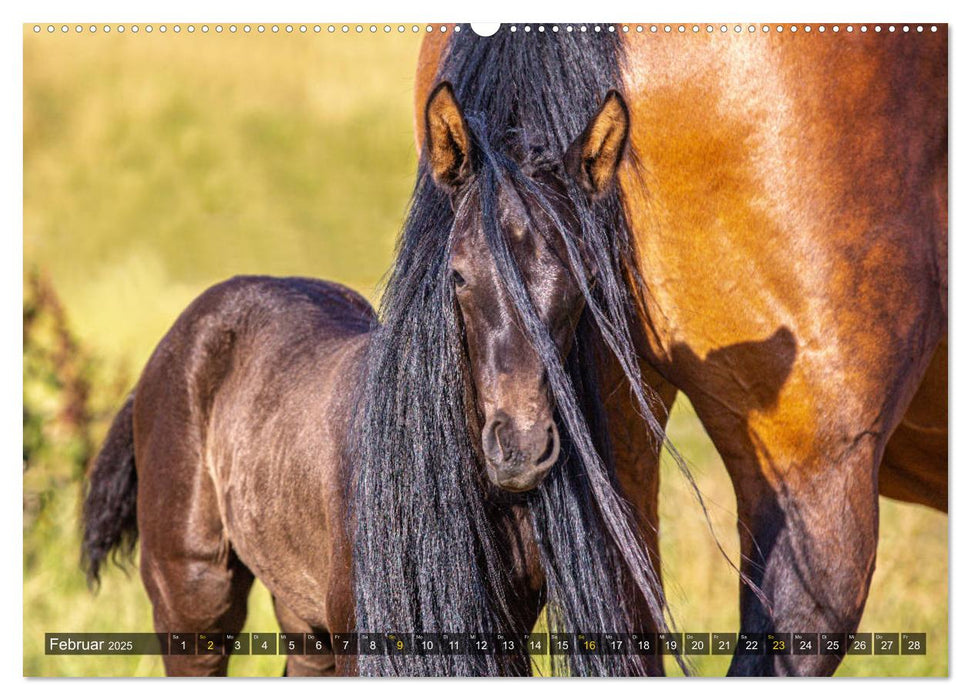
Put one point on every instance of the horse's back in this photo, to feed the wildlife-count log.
(252, 309)
(266, 322)
(247, 303)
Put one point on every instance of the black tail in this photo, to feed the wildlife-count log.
(109, 505)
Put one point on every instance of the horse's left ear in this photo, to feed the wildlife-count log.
(596, 154)
(447, 138)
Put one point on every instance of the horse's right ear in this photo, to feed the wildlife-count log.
(447, 138)
(593, 159)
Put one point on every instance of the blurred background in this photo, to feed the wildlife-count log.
(158, 164)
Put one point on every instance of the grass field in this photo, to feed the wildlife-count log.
(156, 165)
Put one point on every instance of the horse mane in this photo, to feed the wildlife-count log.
(433, 543)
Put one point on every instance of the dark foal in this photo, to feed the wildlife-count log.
(236, 437)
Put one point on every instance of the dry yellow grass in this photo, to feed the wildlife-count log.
(156, 165)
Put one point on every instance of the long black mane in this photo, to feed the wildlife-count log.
(433, 543)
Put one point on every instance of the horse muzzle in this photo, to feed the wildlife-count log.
(519, 459)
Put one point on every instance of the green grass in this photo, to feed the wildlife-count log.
(158, 165)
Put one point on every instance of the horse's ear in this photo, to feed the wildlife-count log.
(594, 157)
(447, 138)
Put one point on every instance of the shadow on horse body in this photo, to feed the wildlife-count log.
(787, 197)
(254, 437)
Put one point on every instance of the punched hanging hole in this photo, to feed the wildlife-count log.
(485, 28)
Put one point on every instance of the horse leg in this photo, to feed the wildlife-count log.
(192, 595)
(809, 544)
(193, 577)
(802, 438)
(914, 467)
(807, 522)
(317, 664)
(638, 463)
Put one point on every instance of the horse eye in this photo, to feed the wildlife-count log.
(458, 279)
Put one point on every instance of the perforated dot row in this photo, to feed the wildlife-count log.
(243, 28)
(767, 28)
(415, 28)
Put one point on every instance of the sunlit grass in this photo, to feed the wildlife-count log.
(158, 165)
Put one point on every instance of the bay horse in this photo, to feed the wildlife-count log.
(786, 194)
(444, 469)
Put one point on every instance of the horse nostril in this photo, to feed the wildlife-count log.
(551, 452)
(495, 439)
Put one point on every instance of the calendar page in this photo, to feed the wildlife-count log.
(450, 350)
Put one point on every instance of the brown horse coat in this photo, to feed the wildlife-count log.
(789, 203)
(233, 380)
